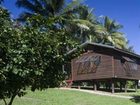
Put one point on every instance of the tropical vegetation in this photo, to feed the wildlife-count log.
(33, 47)
(79, 20)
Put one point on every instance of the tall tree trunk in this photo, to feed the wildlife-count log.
(4, 101)
(12, 99)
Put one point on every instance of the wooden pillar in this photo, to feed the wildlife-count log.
(106, 85)
(112, 86)
(79, 83)
(125, 87)
(79, 87)
(121, 85)
(136, 85)
(95, 85)
(109, 85)
(70, 85)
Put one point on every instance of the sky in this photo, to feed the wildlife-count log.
(125, 12)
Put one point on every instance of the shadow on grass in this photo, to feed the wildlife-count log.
(136, 99)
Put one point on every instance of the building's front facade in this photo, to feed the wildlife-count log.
(105, 63)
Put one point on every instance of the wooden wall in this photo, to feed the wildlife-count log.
(125, 70)
(110, 65)
(104, 69)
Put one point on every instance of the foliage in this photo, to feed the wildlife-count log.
(110, 34)
(31, 56)
(1, 1)
(78, 19)
(131, 84)
(46, 8)
(82, 24)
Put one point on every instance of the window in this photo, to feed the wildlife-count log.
(134, 66)
(129, 64)
(88, 64)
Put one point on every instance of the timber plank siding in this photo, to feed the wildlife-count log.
(104, 69)
(104, 62)
(128, 71)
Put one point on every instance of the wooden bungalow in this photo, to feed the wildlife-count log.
(105, 63)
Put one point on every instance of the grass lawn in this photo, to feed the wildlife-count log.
(67, 97)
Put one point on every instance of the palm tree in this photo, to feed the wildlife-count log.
(1, 1)
(45, 8)
(76, 17)
(112, 36)
(83, 23)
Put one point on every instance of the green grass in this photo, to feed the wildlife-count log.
(66, 97)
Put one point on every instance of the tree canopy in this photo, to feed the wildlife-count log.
(30, 57)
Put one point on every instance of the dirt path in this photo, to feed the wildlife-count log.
(99, 93)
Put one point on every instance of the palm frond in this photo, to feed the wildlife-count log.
(71, 6)
(107, 23)
(23, 16)
(84, 22)
(100, 30)
(26, 4)
(57, 5)
(91, 17)
(1, 1)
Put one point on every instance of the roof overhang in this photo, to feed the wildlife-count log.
(103, 46)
